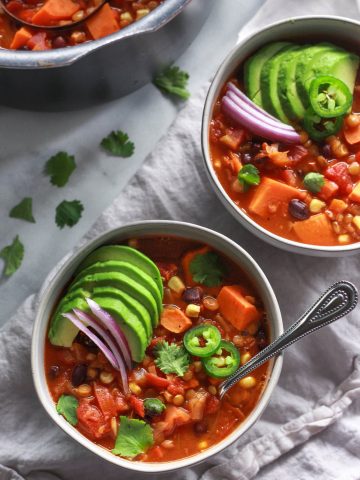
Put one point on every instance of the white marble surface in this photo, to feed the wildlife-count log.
(28, 139)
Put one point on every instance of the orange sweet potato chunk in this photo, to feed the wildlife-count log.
(235, 308)
(102, 23)
(271, 192)
(175, 320)
(54, 10)
(316, 230)
(355, 194)
(21, 38)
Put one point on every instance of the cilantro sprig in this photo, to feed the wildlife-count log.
(66, 406)
(12, 255)
(314, 181)
(206, 269)
(171, 358)
(59, 167)
(134, 437)
(23, 210)
(118, 143)
(249, 176)
(68, 213)
(173, 81)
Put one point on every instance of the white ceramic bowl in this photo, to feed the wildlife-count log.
(53, 290)
(317, 28)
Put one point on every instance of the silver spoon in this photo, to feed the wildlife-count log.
(335, 303)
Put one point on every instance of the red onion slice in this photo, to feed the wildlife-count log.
(99, 343)
(110, 323)
(84, 317)
(261, 129)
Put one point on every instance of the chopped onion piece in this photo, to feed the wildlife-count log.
(85, 318)
(261, 129)
(110, 323)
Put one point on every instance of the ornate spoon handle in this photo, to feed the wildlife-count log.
(335, 303)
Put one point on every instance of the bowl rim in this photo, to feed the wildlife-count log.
(62, 57)
(245, 220)
(57, 280)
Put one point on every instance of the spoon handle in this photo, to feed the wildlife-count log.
(335, 303)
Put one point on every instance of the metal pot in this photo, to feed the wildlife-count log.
(101, 70)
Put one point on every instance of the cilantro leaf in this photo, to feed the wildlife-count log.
(66, 406)
(207, 269)
(118, 144)
(23, 210)
(174, 81)
(248, 176)
(314, 182)
(68, 213)
(171, 358)
(13, 256)
(134, 437)
(59, 168)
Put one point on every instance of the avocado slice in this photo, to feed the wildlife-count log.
(269, 84)
(128, 269)
(122, 282)
(130, 325)
(253, 67)
(62, 332)
(125, 254)
(133, 305)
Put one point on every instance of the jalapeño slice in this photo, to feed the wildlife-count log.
(319, 128)
(224, 362)
(329, 96)
(202, 341)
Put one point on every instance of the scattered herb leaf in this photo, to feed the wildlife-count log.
(207, 269)
(23, 210)
(314, 182)
(174, 81)
(68, 213)
(59, 168)
(13, 256)
(171, 358)
(66, 406)
(134, 437)
(248, 176)
(118, 144)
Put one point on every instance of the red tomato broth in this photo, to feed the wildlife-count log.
(227, 159)
(113, 16)
(220, 418)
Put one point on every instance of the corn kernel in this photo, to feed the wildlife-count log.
(202, 445)
(344, 238)
(316, 205)
(106, 377)
(247, 382)
(192, 310)
(178, 400)
(197, 366)
(356, 221)
(84, 390)
(92, 373)
(134, 387)
(126, 17)
(176, 284)
(354, 168)
(141, 13)
(114, 426)
(245, 357)
(212, 389)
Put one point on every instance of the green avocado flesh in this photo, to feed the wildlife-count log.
(128, 286)
(282, 80)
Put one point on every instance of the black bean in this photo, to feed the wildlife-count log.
(59, 42)
(86, 341)
(78, 375)
(200, 427)
(298, 209)
(54, 371)
(193, 295)
(246, 158)
(326, 151)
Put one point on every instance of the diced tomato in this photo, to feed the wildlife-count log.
(157, 451)
(14, 6)
(92, 420)
(233, 138)
(340, 175)
(138, 405)
(120, 402)
(328, 190)
(174, 417)
(176, 389)
(167, 270)
(105, 400)
(156, 381)
(297, 153)
(290, 177)
(212, 405)
(154, 342)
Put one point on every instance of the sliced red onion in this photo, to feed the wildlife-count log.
(258, 114)
(106, 351)
(110, 323)
(247, 100)
(261, 129)
(84, 317)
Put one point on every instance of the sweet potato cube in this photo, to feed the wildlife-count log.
(21, 37)
(337, 205)
(54, 10)
(103, 23)
(355, 194)
(235, 308)
(316, 230)
(175, 320)
(272, 192)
